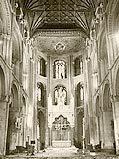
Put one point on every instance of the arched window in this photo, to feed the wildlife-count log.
(59, 69)
(41, 67)
(80, 94)
(60, 95)
(78, 66)
(40, 95)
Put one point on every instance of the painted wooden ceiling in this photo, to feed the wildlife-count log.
(59, 14)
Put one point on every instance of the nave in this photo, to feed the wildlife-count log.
(59, 78)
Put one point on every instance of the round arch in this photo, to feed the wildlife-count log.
(13, 120)
(41, 94)
(59, 69)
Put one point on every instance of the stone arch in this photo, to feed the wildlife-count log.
(41, 94)
(41, 66)
(6, 77)
(14, 93)
(59, 69)
(3, 107)
(13, 120)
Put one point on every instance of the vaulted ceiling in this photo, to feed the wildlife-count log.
(59, 14)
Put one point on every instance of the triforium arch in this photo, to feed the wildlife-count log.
(41, 66)
(108, 121)
(13, 122)
(41, 94)
(3, 106)
(41, 131)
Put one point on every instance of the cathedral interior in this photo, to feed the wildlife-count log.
(59, 75)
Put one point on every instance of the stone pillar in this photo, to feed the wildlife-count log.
(108, 135)
(72, 135)
(50, 136)
(4, 110)
(46, 138)
(116, 122)
(94, 136)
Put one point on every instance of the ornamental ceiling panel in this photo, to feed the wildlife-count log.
(59, 45)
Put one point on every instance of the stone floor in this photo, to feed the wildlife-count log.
(64, 153)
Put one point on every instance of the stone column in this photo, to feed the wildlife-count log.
(116, 122)
(4, 111)
(72, 135)
(50, 136)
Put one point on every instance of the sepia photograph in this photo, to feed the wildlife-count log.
(59, 79)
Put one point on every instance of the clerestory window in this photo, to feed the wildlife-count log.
(59, 69)
(78, 66)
